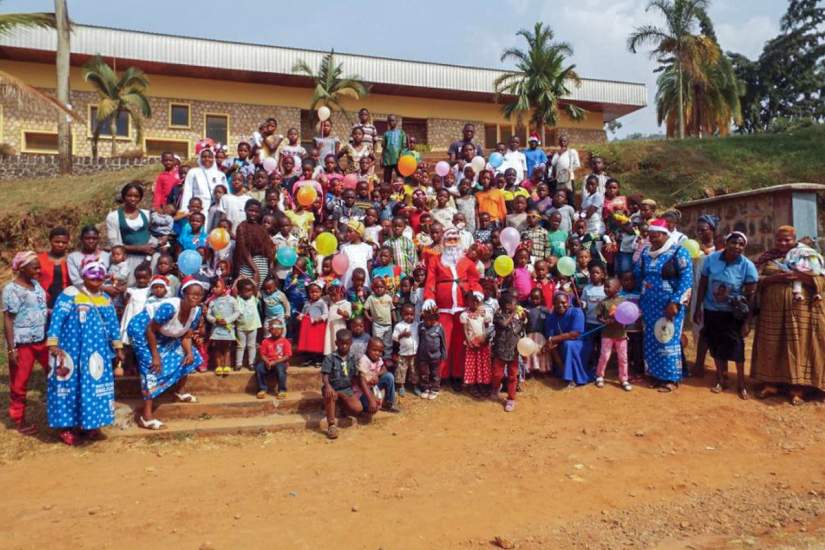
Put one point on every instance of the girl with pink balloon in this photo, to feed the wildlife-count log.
(615, 313)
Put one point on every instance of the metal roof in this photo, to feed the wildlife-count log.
(817, 187)
(217, 54)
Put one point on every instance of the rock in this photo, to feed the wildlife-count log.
(502, 542)
(578, 466)
(48, 506)
(206, 546)
(684, 524)
(92, 512)
(639, 433)
(237, 516)
(293, 493)
(354, 508)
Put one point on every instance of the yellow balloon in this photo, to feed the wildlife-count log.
(326, 244)
(503, 265)
(692, 247)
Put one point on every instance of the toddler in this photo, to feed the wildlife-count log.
(313, 318)
(274, 356)
(432, 349)
(222, 312)
(248, 323)
(476, 321)
(405, 335)
(378, 310)
(509, 327)
(613, 335)
(536, 316)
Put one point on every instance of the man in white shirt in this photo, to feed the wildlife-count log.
(233, 205)
(514, 158)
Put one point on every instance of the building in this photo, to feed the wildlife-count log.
(757, 213)
(223, 90)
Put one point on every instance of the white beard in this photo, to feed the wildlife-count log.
(450, 255)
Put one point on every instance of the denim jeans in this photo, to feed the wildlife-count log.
(261, 372)
(623, 262)
(386, 382)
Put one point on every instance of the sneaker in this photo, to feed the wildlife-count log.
(509, 405)
(402, 392)
(417, 392)
(281, 395)
(626, 386)
(425, 394)
(599, 382)
(218, 371)
(433, 395)
(332, 431)
(261, 395)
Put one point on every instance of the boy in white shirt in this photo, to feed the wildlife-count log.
(515, 159)
(405, 333)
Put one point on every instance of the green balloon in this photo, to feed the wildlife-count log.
(566, 266)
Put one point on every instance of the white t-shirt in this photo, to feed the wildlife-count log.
(515, 160)
(233, 207)
(595, 224)
(358, 255)
(566, 165)
(407, 345)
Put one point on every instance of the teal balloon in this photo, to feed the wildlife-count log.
(189, 262)
(286, 256)
(496, 159)
(566, 266)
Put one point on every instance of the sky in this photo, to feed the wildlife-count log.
(474, 33)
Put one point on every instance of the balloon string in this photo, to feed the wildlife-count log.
(589, 332)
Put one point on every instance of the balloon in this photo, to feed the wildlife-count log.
(189, 262)
(503, 265)
(323, 113)
(692, 247)
(350, 181)
(510, 239)
(219, 238)
(442, 168)
(526, 347)
(286, 256)
(566, 266)
(270, 164)
(407, 165)
(627, 313)
(326, 244)
(496, 159)
(478, 164)
(306, 195)
(340, 263)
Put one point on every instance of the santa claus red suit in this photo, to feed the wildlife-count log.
(450, 276)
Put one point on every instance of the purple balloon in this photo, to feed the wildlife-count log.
(627, 313)
(510, 239)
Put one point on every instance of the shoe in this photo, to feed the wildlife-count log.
(626, 386)
(425, 394)
(417, 391)
(402, 392)
(599, 382)
(433, 395)
(281, 395)
(332, 432)
(393, 408)
(226, 371)
(201, 368)
(68, 437)
(218, 371)
(261, 395)
(509, 405)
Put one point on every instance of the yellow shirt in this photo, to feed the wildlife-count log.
(303, 221)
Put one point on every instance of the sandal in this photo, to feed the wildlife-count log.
(153, 424)
(186, 398)
(743, 394)
(25, 429)
(670, 387)
(332, 431)
(68, 437)
(796, 400)
(717, 388)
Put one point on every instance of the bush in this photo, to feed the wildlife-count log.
(133, 153)
(7, 150)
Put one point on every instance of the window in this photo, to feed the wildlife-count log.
(179, 115)
(154, 147)
(490, 136)
(217, 127)
(308, 129)
(506, 133)
(521, 132)
(40, 142)
(549, 134)
(415, 127)
(121, 130)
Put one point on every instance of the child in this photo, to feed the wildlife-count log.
(388, 271)
(292, 150)
(490, 200)
(358, 292)
(557, 236)
(337, 375)
(543, 282)
(378, 310)
(582, 274)
(313, 318)
(193, 235)
(591, 296)
(568, 213)
(393, 141)
(360, 338)
(357, 251)
(536, 235)
(164, 267)
(432, 349)
(135, 299)
(274, 356)
(522, 275)
(509, 327)
(295, 289)
(443, 213)
(536, 316)
(275, 303)
(613, 335)
(165, 181)
(518, 218)
(476, 321)
(381, 384)
(465, 203)
(405, 334)
(118, 273)
(222, 312)
(340, 311)
(372, 229)
(162, 221)
(248, 323)
(635, 344)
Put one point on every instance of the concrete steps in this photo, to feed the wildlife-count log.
(236, 382)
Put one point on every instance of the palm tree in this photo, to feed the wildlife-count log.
(331, 86)
(675, 43)
(12, 85)
(116, 95)
(540, 79)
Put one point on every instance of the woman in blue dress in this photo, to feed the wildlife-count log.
(161, 338)
(83, 339)
(562, 329)
(665, 270)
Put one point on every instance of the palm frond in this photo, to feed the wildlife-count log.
(10, 21)
(14, 87)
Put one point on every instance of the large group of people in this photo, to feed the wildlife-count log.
(397, 276)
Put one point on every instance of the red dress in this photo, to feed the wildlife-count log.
(311, 335)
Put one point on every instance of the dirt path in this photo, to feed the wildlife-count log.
(568, 469)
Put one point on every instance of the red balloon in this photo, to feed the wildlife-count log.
(340, 263)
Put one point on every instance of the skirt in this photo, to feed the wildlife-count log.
(311, 336)
(478, 367)
(723, 333)
(263, 269)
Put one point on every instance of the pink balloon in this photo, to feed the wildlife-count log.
(442, 168)
(627, 313)
(510, 239)
(340, 263)
(270, 164)
(350, 181)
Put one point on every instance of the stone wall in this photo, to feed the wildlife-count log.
(36, 166)
(442, 132)
(577, 136)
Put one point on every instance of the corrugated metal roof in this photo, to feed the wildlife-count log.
(816, 187)
(198, 52)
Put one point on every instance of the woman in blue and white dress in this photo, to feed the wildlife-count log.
(161, 338)
(666, 273)
(83, 338)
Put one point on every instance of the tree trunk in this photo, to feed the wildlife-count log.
(681, 99)
(113, 131)
(64, 127)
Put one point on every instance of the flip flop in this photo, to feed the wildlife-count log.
(186, 398)
(667, 388)
(153, 424)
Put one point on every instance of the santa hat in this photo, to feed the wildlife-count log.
(534, 137)
(187, 282)
(160, 280)
(658, 225)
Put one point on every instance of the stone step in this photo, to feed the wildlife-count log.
(241, 382)
(230, 405)
(181, 428)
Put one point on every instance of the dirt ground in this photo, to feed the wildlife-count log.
(583, 468)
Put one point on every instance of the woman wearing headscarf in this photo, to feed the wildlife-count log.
(725, 298)
(201, 181)
(254, 250)
(161, 338)
(706, 235)
(666, 274)
(89, 251)
(24, 326)
(83, 339)
(789, 344)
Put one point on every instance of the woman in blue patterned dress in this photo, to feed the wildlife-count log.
(83, 338)
(161, 338)
(666, 272)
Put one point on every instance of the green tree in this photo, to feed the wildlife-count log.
(116, 95)
(331, 85)
(677, 44)
(542, 77)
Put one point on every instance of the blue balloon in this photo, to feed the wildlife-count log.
(189, 262)
(286, 256)
(496, 159)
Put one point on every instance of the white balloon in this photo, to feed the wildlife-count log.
(478, 164)
(323, 113)
(527, 347)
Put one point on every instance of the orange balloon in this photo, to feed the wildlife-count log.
(407, 165)
(219, 238)
(306, 195)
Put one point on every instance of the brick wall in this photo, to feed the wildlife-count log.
(35, 166)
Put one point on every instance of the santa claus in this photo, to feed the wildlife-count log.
(450, 275)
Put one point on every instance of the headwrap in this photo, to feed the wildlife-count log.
(22, 259)
(93, 270)
(673, 214)
(159, 280)
(710, 219)
(649, 202)
(276, 323)
(187, 282)
(739, 234)
(659, 225)
(356, 226)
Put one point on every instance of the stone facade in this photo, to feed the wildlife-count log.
(577, 136)
(442, 132)
(36, 166)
